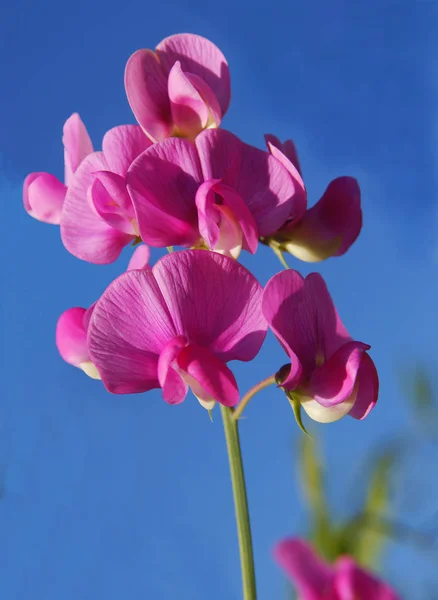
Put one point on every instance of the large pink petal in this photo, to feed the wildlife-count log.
(71, 336)
(146, 88)
(214, 301)
(77, 145)
(140, 258)
(190, 113)
(213, 377)
(302, 315)
(263, 183)
(121, 146)
(367, 390)
(312, 577)
(43, 197)
(287, 148)
(162, 183)
(353, 583)
(129, 328)
(83, 232)
(201, 57)
(331, 226)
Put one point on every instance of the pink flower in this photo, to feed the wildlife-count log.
(331, 226)
(218, 193)
(317, 580)
(177, 326)
(98, 218)
(72, 325)
(43, 193)
(180, 89)
(330, 374)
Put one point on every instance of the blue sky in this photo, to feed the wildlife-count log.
(125, 497)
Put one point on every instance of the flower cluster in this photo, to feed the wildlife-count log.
(177, 179)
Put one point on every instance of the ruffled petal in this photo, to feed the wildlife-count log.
(43, 197)
(367, 389)
(146, 89)
(201, 57)
(287, 148)
(190, 113)
(121, 146)
(140, 258)
(77, 145)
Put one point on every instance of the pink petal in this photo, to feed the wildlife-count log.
(162, 183)
(215, 113)
(331, 226)
(43, 197)
(190, 113)
(262, 182)
(302, 315)
(71, 336)
(83, 232)
(201, 57)
(129, 327)
(140, 258)
(353, 583)
(121, 146)
(107, 208)
(368, 389)
(212, 375)
(77, 145)
(287, 148)
(173, 386)
(146, 88)
(214, 301)
(312, 577)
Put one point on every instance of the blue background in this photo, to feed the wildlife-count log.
(125, 497)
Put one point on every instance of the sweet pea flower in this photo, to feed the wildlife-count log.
(330, 374)
(180, 89)
(72, 325)
(329, 227)
(43, 193)
(218, 193)
(315, 579)
(98, 217)
(177, 326)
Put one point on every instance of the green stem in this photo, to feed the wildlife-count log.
(249, 395)
(240, 504)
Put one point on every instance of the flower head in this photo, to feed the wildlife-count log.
(330, 374)
(43, 193)
(315, 579)
(218, 193)
(177, 326)
(180, 89)
(98, 217)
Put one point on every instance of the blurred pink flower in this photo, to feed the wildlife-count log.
(177, 326)
(43, 193)
(315, 579)
(98, 218)
(218, 193)
(330, 374)
(329, 227)
(180, 89)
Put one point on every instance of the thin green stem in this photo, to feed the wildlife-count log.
(249, 395)
(240, 503)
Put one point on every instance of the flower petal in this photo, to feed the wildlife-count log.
(367, 390)
(173, 386)
(312, 577)
(262, 182)
(83, 232)
(212, 375)
(71, 336)
(77, 145)
(128, 329)
(287, 148)
(146, 88)
(110, 199)
(121, 146)
(302, 315)
(201, 57)
(331, 226)
(162, 183)
(43, 197)
(214, 301)
(190, 113)
(140, 258)
(351, 581)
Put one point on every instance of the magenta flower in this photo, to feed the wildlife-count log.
(331, 226)
(330, 374)
(177, 326)
(218, 193)
(98, 218)
(315, 579)
(72, 325)
(43, 193)
(180, 89)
